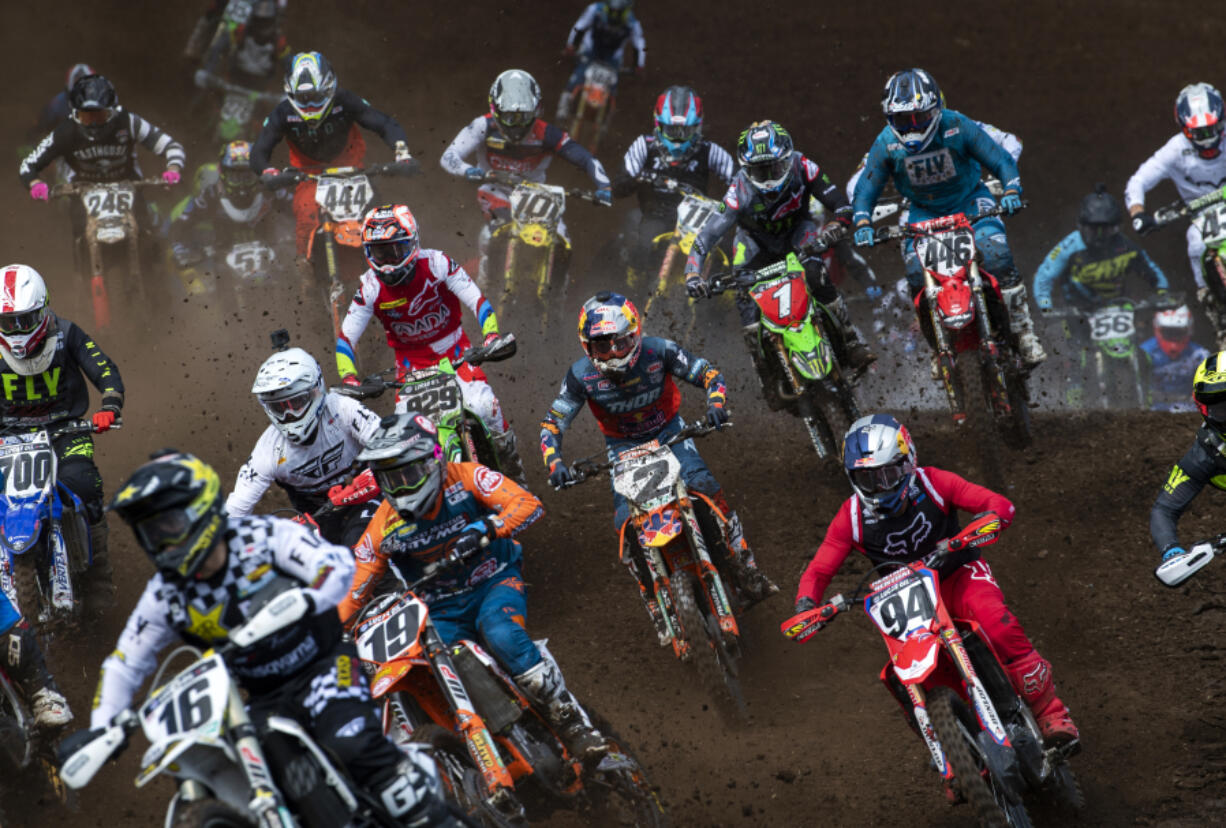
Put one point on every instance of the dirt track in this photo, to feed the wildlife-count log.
(1088, 88)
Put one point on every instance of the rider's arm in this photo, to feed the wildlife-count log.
(836, 545)
(1150, 270)
(980, 146)
(697, 372)
(514, 507)
(1009, 142)
(357, 419)
(463, 145)
(325, 569)
(255, 476)
(713, 230)
(1054, 266)
(270, 135)
(1193, 471)
(155, 140)
(575, 153)
(633, 164)
(855, 179)
(135, 656)
(371, 561)
(1153, 171)
(47, 150)
(638, 42)
(462, 285)
(720, 162)
(585, 22)
(873, 174)
(361, 309)
(377, 121)
(967, 496)
(562, 412)
(102, 372)
(826, 191)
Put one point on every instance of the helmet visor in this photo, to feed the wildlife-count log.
(679, 133)
(19, 323)
(914, 121)
(407, 479)
(611, 347)
(290, 409)
(238, 178)
(165, 529)
(389, 254)
(1098, 233)
(768, 173)
(517, 118)
(92, 117)
(880, 479)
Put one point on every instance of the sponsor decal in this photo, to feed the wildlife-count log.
(487, 480)
(364, 552)
(901, 542)
(425, 425)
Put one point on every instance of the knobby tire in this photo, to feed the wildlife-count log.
(714, 675)
(209, 813)
(461, 777)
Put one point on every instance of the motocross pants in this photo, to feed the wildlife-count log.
(494, 613)
(990, 240)
(76, 470)
(586, 56)
(306, 211)
(693, 470)
(474, 386)
(24, 660)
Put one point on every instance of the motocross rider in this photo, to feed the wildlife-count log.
(1172, 359)
(602, 33)
(675, 150)
(250, 54)
(416, 293)
(464, 516)
(900, 512)
(214, 572)
(627, 380)
(775, 179)
(319, 121)
(512, 138)
(46, 360)
(315, 437)
(26, 664)
(934, 155)
(1194, 162)
(56, 109)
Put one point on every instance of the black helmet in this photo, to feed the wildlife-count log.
(1100, 216)
(765, 152)
(173, 504)
(1209, 391)
(407, 461)
(94, 103)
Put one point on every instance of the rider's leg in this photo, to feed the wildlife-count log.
(1213, 302)
(480, 398)
(998, 260)
(566, 100)
(76, 470)
(849, 343)
(29, 668)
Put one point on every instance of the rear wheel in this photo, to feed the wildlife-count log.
(1015, 431)
(463, 781)
(980, 422)
(717, 670)
(619, 786)
(209, 813)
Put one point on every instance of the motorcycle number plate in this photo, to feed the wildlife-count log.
(436, 396)
(390, 635)
(109, 202)
(946, 253)
(1115, 322)
(194, 701)
(647, 480)
(904, 607)
(345, 197)
(250, 259)
(533, 203)
(27, 464)
(600, 74)
(784, 300)
(693, 212)
(1211, 222)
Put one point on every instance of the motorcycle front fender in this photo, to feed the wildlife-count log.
(807, 349)
(917, 658)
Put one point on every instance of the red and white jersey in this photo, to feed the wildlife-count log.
(1179, 161)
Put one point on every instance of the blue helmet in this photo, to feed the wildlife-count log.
(912, 103)
(879, 459)
(678, 118)
(765, 152)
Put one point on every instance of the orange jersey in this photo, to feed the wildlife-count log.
(470, 493)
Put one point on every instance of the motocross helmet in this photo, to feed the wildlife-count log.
(1173, 330)
(1099, 218)
(879, 459)
(239, 183)
(173, 504)
(515, 102)
(678, 117)
(611, 333)
(78, 71)
(290, 387)
(407, 461)
(390, 243)
(1209, 391)
(310, 86)
(261, 25)
(765, 152)
(912, 103)
(1198, 111)
(24, 317)
(94, 103)
(617, 12)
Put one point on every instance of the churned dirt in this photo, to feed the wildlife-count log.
(1089, 88)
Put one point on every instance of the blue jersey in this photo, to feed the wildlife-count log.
(942, 177)
(1085, 275)
(1171, 379)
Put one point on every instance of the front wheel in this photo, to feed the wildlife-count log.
(209, 813)
(463, 781)
(716, 670)
(619, 786)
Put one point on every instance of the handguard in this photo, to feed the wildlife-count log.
(287, 608)
(1179, 568)
(79, 768)
(984, 529)
(804, 626)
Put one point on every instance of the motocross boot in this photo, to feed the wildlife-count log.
(564, 101)
(543, 685)
(770, 389)
(29, 667)
(508, 457)
(1029, 348)
(99, 578)
(751, 581)
(857, 353)
(1031, 678)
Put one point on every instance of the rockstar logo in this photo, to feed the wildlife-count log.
(206, 626)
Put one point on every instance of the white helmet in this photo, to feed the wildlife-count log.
(24, 319)
(515, 101)
(290, 386)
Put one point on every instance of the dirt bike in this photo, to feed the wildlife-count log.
(594, 103)
(111, 256)
(435, 392)
(235, 117)
(229, 773)
(533, 243)
(1208, 214)
(27, 758)
(698, 607)
(499, 757)
(1179, 568)
(982, 737)
(956, 294)
(795, 341)
(43, 534)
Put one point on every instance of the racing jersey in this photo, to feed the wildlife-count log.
(528, 157)
(421, 315)
(1169, 379)
(1204, 463)
(1179, 161)
(644, 401)
(1085, 275)
(769, 218)
(646, 157)
(931, 515)
(41, 390)
(305, 471)
(109, 157)
(210, 209)
(594, 36)
(942, 177)
(317, 142)
(471, 492)
(203, 612)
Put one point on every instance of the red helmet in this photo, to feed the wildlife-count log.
(390, 242)
(1199, 113)
(1173, 330)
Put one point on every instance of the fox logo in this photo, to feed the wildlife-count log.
(911, 538)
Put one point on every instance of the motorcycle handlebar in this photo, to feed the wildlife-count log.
(589, 467)
(511, 179)
(372, 386)
(737, 279)
(406, 169)
(907, 231)
(670, 184)
(71, 188)
(1158, 302)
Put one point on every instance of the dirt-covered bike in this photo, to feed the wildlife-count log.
(1207, 213)
(595, 100)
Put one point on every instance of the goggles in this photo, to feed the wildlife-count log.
(611, 347)
(406, 479)
(880, 479)
(389, 254)
(768, 172)
(92, 117)
(289, 409)
(905, 122)
(679, 133)
(165, 529)
(516, 119)
(24, 322)
(312, 98)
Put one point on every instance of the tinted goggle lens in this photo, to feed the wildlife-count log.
(92, 117)
(1205, 133)
(679, 132)
(404, 479)
(768, 171)
(389, 253)
(911, 121)
(880, 479)
(311, 98)
(290, 408)
(1216, 412)
(516, 119)
(15, 323)
(239, 178)
(611, 346)
(169, 528)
